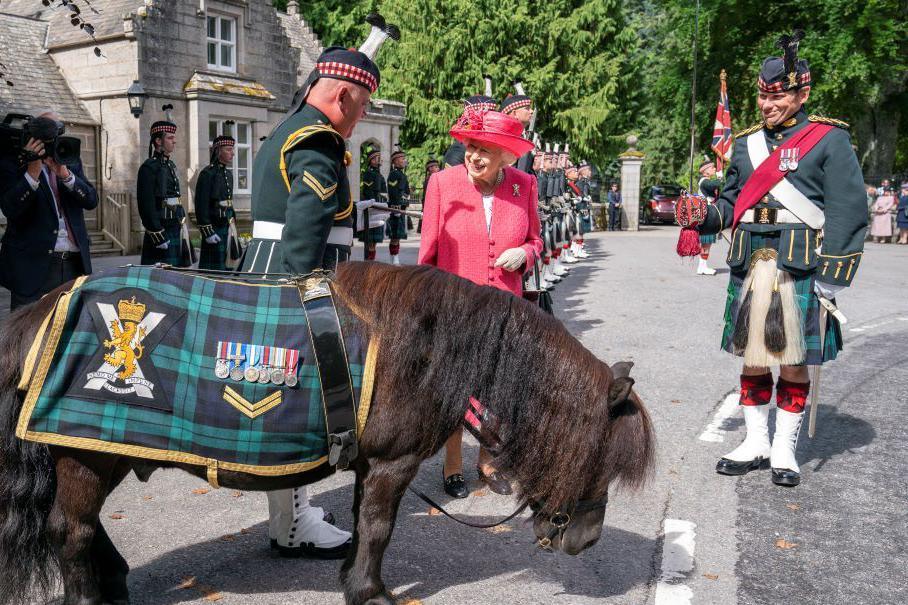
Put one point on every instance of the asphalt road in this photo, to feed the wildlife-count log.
(690, 536)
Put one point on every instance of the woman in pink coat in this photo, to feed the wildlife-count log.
(480, 222)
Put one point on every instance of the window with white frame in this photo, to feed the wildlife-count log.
(242, 157)
(222, 34)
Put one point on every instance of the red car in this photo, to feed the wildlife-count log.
(659, 206)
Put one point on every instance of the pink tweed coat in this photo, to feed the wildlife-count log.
(454, 234)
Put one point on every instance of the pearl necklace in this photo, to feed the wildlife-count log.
(498, 181)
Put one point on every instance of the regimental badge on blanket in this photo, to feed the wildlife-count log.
(257, 363)
(128, 325)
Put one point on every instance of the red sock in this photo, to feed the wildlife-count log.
(370, 255)
(756, 390)
(395, 249)
(792, 396)
(556, 252)
(704, 255)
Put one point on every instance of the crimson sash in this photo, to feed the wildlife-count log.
(767, 175)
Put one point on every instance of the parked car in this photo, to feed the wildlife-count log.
(659, 205)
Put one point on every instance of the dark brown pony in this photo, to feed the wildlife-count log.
(571, 427)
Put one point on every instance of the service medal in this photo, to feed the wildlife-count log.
(264, 375)
(236, 373)
(220, 369)
(290, 379)
(251, 374)
(277, 376)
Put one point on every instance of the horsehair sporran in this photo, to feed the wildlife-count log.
(449, 340)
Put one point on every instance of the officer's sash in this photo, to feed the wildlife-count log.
(767, 176)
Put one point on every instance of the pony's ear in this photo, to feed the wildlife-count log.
(622, 369)
(618, 393)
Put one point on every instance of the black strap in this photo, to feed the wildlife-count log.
(437, 506)
(334, 375)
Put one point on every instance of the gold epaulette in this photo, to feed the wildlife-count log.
(297, 137)
(750, 130)
(830, 121)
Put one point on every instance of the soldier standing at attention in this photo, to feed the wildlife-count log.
(398, 197)
(302, 221)
(795, 202)
(521, 107)
(484, 102)
(710, 186)
(214, 212)
(158, 196)
(373, 187)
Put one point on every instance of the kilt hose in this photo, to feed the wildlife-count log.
(214, 256)
(396, 227)
(171, 256)
(805, 299)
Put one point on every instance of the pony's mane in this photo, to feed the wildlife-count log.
(444, 339)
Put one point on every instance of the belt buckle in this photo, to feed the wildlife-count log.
(766, 216)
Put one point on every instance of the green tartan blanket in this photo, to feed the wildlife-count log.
(177, 367)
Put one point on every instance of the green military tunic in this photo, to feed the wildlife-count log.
(162, 215)
(301, 204)
(373, 187)
(830, 178)
(398, 197)
(213, 213)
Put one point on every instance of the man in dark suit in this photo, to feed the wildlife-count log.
(46, 242)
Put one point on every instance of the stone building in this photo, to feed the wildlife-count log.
(225, 66)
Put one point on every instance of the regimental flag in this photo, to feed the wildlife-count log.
(722, 136)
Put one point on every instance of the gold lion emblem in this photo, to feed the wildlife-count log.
(124, 353)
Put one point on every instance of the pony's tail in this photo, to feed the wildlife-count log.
(27, 483)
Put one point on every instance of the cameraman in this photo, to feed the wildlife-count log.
(46, 242)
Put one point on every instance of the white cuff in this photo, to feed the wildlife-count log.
(34, 184)
(71, 181)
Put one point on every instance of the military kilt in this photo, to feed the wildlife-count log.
(214, 256)
(171, 256)
(396, 227)
(707, 239)
(805, 299)
(376, 235)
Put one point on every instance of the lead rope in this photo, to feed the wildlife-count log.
(439, 507)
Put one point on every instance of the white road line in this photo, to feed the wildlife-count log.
(677, 562)
(714, 431)
(877, 325)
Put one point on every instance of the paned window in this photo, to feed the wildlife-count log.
(221, 43)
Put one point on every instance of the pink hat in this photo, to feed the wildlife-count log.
(492, 128)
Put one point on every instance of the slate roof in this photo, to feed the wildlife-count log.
(37, 80)
(302, 38)
(108, 21)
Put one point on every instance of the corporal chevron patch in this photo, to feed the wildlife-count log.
(320, 190)
(248, 408)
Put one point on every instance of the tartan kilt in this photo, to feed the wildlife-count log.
(707, 239)
(170, 256)
(807, 302)
(396, 227)
(376, 235)
(214, 256)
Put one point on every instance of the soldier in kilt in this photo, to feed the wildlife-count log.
(214, 212)
(398, 197)
(302, 211)
(710, 186)
(795, 203)
(373, 187)
(158, 198)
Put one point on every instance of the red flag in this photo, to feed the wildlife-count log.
(722, 135)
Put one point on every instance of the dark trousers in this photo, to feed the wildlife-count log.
(614, 218)
(62, 268)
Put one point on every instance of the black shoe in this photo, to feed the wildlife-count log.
(310, 551)
(785, 477)
(496, 482)
(455, 486)
(735, 467)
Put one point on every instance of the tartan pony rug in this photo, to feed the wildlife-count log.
(171, 366)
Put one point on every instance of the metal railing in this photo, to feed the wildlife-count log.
(115, 213)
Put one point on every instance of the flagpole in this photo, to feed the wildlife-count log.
(693, 99)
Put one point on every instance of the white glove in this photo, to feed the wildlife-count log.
(512, 259)
(826, 290)
(163, 246)
(214, 238)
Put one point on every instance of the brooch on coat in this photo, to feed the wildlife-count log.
(516, 190)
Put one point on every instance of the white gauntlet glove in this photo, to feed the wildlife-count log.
(512, 259)
(214, 238)
(827, 290)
